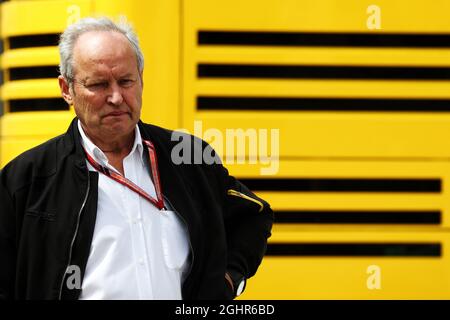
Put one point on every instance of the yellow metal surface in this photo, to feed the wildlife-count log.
(347, 169)
(29, 57)
(21, 124)
(40, 17)
(357, 201)
(347, 277)
(313, 15)
(325, 134)
(21, 131)
(159, 30)
(319, 88)
(292, 233)
(343, 134)
(27, 89)
(11, 148)
(303, 277)
(324, 56)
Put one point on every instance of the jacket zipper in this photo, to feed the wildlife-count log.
(75, 234)
(189, 235)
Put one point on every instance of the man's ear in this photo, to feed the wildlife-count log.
(65, 90)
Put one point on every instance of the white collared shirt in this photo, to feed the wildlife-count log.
(137, 251)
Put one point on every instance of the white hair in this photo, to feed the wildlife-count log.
(74, 31)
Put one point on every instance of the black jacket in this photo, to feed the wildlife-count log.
(48, 206)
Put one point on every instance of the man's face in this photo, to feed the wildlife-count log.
(107, 87)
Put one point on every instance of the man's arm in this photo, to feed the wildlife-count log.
(248, 222)
(7, 242)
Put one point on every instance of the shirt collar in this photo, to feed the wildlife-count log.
(98, 154)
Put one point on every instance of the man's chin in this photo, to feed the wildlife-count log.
(111, 118)
(119, 128)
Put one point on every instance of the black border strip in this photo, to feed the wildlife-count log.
(355, 249)
(48, 104)
(30, 41)
(39, 72)
(320, 39)
(432, 217)
(344, 185)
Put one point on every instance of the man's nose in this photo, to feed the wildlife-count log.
(115, 95)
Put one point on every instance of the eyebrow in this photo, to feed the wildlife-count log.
(101, 78)
(127, 75)
(94, 78)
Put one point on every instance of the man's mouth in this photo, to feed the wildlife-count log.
(116, 114)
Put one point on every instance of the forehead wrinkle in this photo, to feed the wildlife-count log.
(104, 50)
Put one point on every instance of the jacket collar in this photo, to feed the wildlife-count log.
(72, 144)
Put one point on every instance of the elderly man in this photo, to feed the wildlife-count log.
(102, 212)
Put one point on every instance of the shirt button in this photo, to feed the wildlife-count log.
(141, 262)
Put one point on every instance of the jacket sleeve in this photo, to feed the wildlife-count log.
(7, 242)
(248, 222)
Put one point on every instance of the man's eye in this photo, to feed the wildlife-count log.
(97, 85)
(126, 82)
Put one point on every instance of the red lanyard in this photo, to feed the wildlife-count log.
(159, 201)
